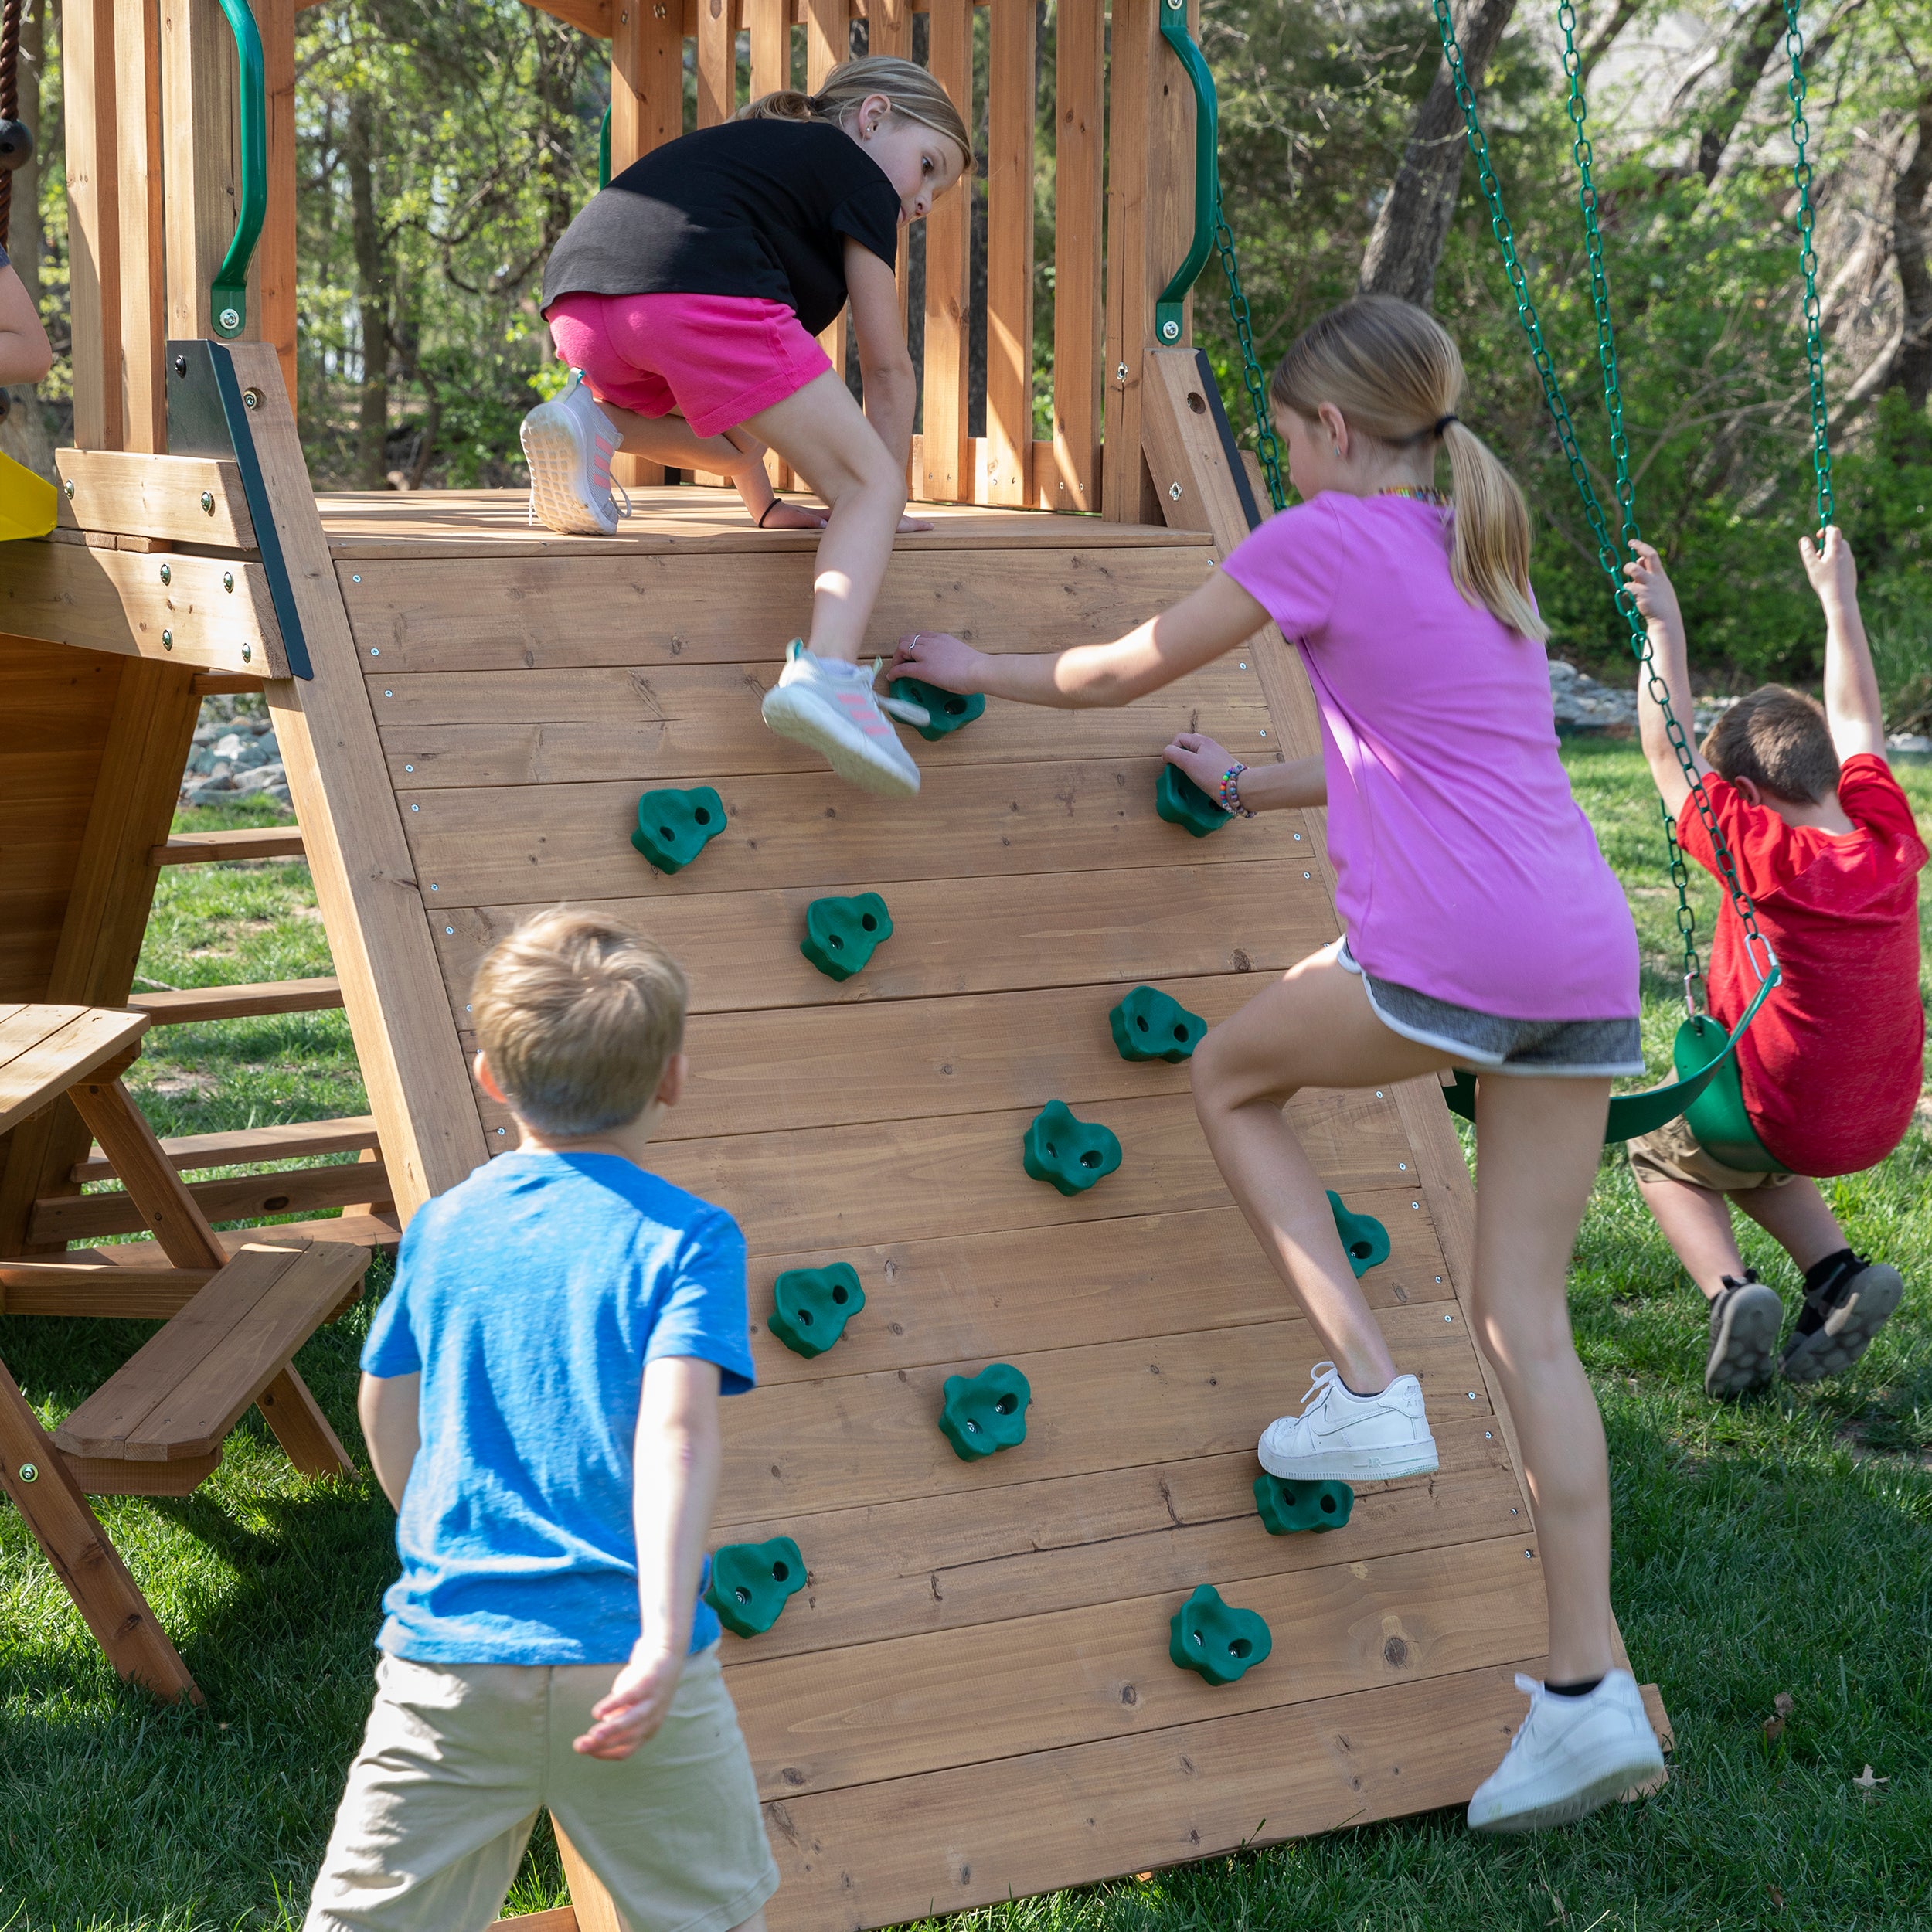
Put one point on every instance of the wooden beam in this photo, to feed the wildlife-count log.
(587, 16)
(237, 1146)
(201, 125)
(192, 1004)
(216, 848)
(275, 253)
(208, 614)
(179, 499)
(717, 63)
(946, 477)
(827, 42)
(247, 1197)
(1079, 220)
(143, 329)
(93, 221)
(1009, 251)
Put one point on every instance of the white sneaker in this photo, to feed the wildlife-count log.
(568, 443)
(1350, 1437)
(832, 707)
(1570, 1755)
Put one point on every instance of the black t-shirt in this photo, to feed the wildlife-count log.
(758, 208)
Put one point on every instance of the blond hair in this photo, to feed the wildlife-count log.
(1395, 374)
(1779, 739)
(915, 95)
(578, 1017)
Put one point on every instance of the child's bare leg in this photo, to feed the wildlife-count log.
(1539, 1142)
(1797, 1218)
(1313, 1028)
(1696, 1222)
(824, 435)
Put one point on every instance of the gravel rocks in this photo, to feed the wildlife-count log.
(234, 754)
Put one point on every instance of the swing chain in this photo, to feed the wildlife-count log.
(1267, 443)
(1531, 325)
(1808, 261)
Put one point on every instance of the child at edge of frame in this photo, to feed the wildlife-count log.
(686, 297)
(1453, 833)
(1825, 846)
(539, 1396)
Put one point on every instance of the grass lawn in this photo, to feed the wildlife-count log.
(1780, 1545)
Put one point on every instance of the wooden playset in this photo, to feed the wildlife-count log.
(973, 1695)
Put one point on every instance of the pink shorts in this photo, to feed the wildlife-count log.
(716, 359)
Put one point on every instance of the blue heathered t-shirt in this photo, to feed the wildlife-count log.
(530, 1297)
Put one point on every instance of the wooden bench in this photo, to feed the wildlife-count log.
(156, 1426)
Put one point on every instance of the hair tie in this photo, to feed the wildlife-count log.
(1442, 422)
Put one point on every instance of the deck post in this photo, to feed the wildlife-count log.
(93, 227)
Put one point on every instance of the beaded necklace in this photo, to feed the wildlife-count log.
(1419, 492)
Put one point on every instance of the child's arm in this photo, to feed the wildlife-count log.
(1852, 707)
(387, 1407)
(1206, 622)
(1658, 603)
(674, 1487)
(1301, 781)
(885, 363)
(24, 355)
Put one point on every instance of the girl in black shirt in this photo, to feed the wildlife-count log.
(687, 297)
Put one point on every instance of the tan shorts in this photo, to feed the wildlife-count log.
(458, 1761)
(1672, 1154)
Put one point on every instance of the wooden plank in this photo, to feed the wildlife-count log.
(978, 1557)
(72, 1541)
(827, 42)
(276, 303)
(1079, 222)
(293, 1140)
(108, 1476)
(634, 612)
(1134, 47)
(155, 496)
(370, 1231)
(215, 684)
(166, 1206)
(94, 220)
(85, 1284)
(740, 952)
(590, 16)
(943, 423)
(44, 1050)
(144, 325)
(883, 1853)
(250, 842)
(201, 117)
(87, 1217)
(717, 63)
(845, 1442)
(768, 27)
(484, 847)
(1010, 82)
(189, 1005)
(921, 1704)
(418, 1087)
(210, 613)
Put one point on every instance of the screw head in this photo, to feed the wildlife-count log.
(207, 502)
(1174, 492)
(248, 652)
(1170, 330)
(69, 488)
(181, 365)
(167, 574)
(231, 318)
(251, 398)
(228, 580)
(166, 640)
(356, 578)
(30, 1472)
(374, 651)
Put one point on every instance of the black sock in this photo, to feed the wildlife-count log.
(1363, 1395)
(1821, 1279)
(1582, 1687)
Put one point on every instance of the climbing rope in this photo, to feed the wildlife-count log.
(1807, 262)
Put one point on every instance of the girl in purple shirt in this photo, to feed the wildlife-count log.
(1482, 928)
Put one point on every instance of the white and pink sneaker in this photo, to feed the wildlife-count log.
(832, 707)
(568, 442)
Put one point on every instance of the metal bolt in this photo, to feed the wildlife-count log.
(1170, 330)
(167, 575)
(1472, 1395)
(1513, 1510)
(1531, 1554)
(1120, 375)
(1488, 1435)
(1402, 1167)
(231, 318)
(248, 653)
(1438, 1278)
(207, 496)
(416, 808)
(69, 488)
(1244, 667)
(1448, 1319)
(251, 398)
(1380, 1094)
(166, 640)
(1298, 838)
(30, 1472)
(1308, 875)
(181, 365)
(228, 581)
(409, 767)
(389, 694)
(1265, 732)
(450, 930)
(436, 888)
(1173, 493)
(374, 652)
(501, 1130)
(356, 578)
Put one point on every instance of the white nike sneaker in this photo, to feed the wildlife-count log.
(1350, 1437)
(568, 443)
(1569, 1756)
(832, 707)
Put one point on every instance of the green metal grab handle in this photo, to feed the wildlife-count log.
(603, 151)
(228, 294)
(1168, 322)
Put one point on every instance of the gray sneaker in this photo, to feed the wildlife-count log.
(1746, 1317)
(1855, 1308)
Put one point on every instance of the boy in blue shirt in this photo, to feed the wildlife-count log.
(540, 1400)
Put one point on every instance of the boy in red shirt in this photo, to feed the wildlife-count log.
(1824, 842)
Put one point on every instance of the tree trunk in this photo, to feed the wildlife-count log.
(24, 435)
(1412, 222)
(1911, 235)
(359, 156)
(1762, 37)
(1599, 40)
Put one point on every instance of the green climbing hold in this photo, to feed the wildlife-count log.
(674, 827)
(1287, 1506)
(1181, 802)
(1222, 1643)
(841, 933)
(1150, 1024)
(984, 1413)
(1364, 1239)
(811, 1306)
(948, 711)
(750, 1583)
(1068, 1153)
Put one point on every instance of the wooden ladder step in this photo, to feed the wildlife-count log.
(381, 1229)
(242, 1197)
(289, 1141)
(211, 847)
(179, 1395)
(191, 1003)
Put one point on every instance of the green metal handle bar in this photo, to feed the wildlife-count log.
(1168, 322)
(603, 152)
(228, 294)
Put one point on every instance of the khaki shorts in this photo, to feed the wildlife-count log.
(458, 1761)
(1672, 1154)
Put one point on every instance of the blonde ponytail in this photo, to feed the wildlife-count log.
(915, 95)
(1394, 373)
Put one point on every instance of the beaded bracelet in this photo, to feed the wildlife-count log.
(1228, 793)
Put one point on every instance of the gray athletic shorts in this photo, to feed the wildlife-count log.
(1583, 1049)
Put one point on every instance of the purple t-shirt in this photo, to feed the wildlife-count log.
(1463, 868)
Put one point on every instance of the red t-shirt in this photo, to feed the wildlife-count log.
(1832, 1065)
